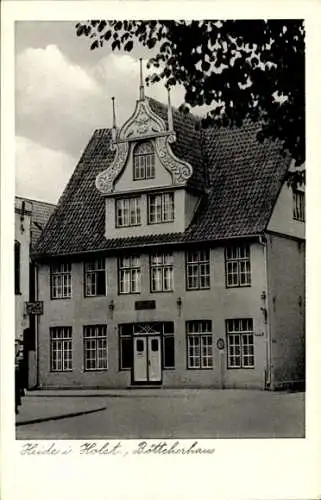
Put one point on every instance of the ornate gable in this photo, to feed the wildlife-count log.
(144, 124)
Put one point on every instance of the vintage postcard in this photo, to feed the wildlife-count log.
(159, 305)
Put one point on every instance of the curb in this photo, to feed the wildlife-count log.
(59, 417)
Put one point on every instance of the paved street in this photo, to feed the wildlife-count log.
(166, 414)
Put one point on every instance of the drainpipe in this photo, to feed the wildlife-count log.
(37, 325)
(267, 316)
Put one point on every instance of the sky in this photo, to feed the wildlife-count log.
(63, 93)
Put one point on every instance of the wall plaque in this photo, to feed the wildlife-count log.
(34, 308)
(220, 344)
(145, 304)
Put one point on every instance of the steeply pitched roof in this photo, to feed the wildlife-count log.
(243, 178)
(40, 214)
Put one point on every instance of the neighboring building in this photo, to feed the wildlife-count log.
(175, 257)
(30, 218)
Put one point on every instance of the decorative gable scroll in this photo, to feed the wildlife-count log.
(144, 124)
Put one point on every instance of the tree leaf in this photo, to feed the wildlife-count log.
(101, 26)
(94, 45)
(128, 46)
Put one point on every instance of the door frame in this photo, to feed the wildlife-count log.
(148, 382)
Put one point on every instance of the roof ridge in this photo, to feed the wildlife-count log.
(190, 114)
(35, 201)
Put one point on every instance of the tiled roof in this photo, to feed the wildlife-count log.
(40, 214)
(243, 181)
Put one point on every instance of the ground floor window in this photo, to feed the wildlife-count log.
(125, 346)
(168, 345)
(61, 349)
(240, 343)
(95, 348)
(128, 330)
(199, 344)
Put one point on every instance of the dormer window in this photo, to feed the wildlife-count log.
(160, 208)
(128, 212)
(144, 161)
(298, 206)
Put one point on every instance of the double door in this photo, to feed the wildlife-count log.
(147, 366)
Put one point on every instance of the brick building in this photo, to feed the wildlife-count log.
(175, 257)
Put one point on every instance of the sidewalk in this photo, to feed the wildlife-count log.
(35, 408)
(120, 392)
(53, 404)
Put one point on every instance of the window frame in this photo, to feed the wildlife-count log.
(162, 266)
(62, 274)
(198, 263)
(138, 211)
(145, 156)
(164, 336)
(96, 350)
(130, 268)
(95, 272)
(238, 260)
(162, 205)
(298, 205)
(201, 335)
(120, 347)
(62, 339)
(241, 333)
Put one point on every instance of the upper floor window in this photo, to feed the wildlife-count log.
(128, 212)
(199, 344)
(238, 265)
(17, 255)
(144, 161)
(60, 280)
(160, 208)
(129, 274)
(240, 343)
(161, 271)
(198, 270)
(299, 205)
(95, 278)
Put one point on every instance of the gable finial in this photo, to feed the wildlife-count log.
(169, 112)
(141, 86)
(114, 128)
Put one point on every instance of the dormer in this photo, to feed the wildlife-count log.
(146, 185)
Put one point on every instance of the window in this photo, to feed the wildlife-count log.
(240, 343)
(61, 349)
(166, 330)
(199, 344)
(128, 212)
(129, 274)
(144, 161)
(160, 208)
(237, 265)
(198, 270)
(125, 346)
(168, 345)
(298, 206)
(60, 279)
(161, 270)
(95, 278)
(95, 347)
(17, 253)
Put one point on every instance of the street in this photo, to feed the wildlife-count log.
(180, 414)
